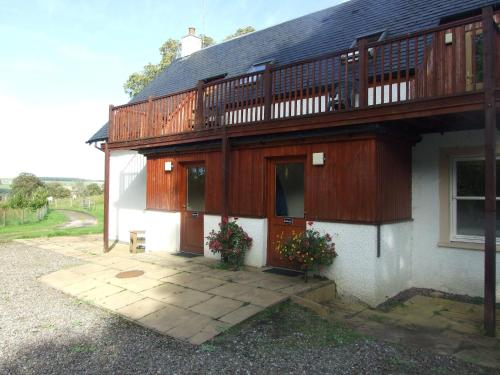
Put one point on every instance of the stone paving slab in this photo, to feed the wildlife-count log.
(141, 308)
(185, 298)
(217, 307)
(241, 314)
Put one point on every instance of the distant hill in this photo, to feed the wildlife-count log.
(6, 181)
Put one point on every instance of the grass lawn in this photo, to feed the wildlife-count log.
(50, 226)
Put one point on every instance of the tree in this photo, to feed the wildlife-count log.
(38, 198)
(137, 81)
(79, 188)
(93, 189)
(26, 184)
(239, 32)
(18, 200)
(57, 190)
(207, 40)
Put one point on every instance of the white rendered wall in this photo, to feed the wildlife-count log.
(127, 194)
(357, 271)
(447, 269)
(255, 228)
(211, 222)
(162, 231)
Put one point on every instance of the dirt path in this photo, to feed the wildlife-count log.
(78, 219)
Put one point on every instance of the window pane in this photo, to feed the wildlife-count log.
(470, 218)
(290, 190)
(196, 189)
(470, 178)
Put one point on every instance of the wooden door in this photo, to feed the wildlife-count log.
(285, 204)
(192, 208)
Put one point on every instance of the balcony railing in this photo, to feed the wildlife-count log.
(439, 62)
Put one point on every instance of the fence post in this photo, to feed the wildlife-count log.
(268, 92)
(363, 74)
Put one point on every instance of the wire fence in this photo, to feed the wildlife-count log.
(16, 216)
(83, 203)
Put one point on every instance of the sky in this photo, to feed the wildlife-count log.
(63, 62)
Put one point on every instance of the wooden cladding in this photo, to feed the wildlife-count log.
(165, 189)
(435, 63)
(364, 180)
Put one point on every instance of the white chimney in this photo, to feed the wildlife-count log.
(190, 43)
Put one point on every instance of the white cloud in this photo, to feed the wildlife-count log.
(49, 140)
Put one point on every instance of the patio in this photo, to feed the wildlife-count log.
(186, 298)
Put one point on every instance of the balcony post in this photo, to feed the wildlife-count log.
(200, 115)
(489, 172)
(111, 131)
(363, 74)
(149, 119)
(268, 92)
(225, 152)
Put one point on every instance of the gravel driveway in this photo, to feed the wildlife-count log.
(43, 331)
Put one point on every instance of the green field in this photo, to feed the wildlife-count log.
(51, 225)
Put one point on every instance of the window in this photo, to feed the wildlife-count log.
(377, 36)
(195, 188)
(290, 190)
(467, 199)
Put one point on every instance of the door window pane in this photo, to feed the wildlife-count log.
(290, 190)
(195, 188)
(470, 218)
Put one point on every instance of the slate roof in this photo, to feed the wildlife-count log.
(328, 30)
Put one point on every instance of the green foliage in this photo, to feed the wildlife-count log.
(38, 198)
(207, 40)
(57, 190)
(26, 184)
(18, 200)
(79, 188)
(137, 81)
(239, 32)
(307, 250)
(50, 226)
(93, 189)
(231, 242)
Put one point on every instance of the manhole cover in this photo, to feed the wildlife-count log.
(129, 274)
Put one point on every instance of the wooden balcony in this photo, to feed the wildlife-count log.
(436, 71)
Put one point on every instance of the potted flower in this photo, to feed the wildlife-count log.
(231, 242)
(308, 250)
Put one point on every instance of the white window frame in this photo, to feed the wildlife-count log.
(454, 199)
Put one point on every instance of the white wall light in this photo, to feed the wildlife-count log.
(169, 166)
(318, 158)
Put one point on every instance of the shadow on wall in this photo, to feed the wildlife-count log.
(393, 270)
(131, 191)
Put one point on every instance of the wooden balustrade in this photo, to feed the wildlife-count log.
(443, 61)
